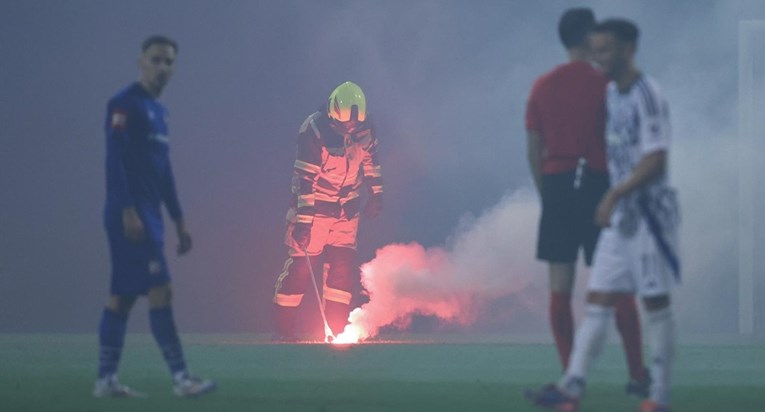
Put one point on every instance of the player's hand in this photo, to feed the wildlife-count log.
(301, 234)
(132, 225)
(184, 238)
(374, 206)
(605, 209)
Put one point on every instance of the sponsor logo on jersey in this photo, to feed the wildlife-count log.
(155, 267)
(119, 120)
(159, 137)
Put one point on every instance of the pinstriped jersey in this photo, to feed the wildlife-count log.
(637, 125)
(331, 167)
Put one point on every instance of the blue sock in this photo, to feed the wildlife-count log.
(163, 329)
(111, 337)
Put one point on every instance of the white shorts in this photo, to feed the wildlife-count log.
(632, 264)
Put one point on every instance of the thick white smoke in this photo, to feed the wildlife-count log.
(488, 257)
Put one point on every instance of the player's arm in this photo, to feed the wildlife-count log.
(184, 237)
(173, 206)
(534, 150)
(650, 166)
(534, 142)
(117, 117)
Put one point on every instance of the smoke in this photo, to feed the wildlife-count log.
(488, 257)
(698, 74)
(446, 82)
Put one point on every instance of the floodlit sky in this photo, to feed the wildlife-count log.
(446, 81)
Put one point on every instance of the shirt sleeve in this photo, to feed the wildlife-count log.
(118, 117)
(655, 132)
(306, 170)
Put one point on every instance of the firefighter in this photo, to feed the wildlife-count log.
(336, 156)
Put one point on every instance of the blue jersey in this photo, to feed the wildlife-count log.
(138, 171)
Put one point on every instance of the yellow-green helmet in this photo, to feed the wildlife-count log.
(346, 103)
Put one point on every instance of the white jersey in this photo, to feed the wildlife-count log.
(637, 125)
(639, 251)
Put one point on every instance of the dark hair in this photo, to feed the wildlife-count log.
(574, 26)
(622, 29)
(161, 40)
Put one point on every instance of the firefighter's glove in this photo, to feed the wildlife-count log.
(374, 206)
(301, 234)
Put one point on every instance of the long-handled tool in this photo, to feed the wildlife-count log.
(328, 335)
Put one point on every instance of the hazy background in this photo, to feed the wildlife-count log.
(447, 82)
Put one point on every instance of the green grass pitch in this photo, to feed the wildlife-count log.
(56, 373)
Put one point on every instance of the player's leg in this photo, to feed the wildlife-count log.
(111, 337)
(628, 325)
(128, 280)
(560, 313)
(162, 323)
(589, 341)
(593, 188)
(660, 331)
(111, 333)
(609, 276)
(558, 244)
(561, 284)
(655, 278)
(165, 333)
(588, 344)
(655, 282)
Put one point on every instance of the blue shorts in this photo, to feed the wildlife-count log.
(136, 267)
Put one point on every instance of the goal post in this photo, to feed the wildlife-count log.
(751, 106)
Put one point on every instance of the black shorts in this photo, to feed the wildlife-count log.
(568, 216)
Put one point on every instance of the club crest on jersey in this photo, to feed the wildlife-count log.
(155, 267)
(654, 130)
(119, 120)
